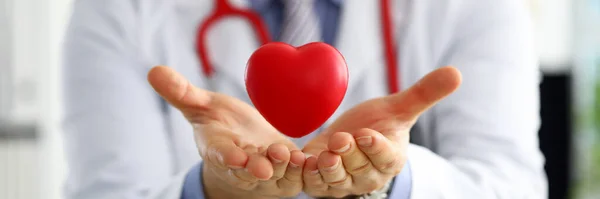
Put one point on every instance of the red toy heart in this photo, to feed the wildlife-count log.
(296, 89)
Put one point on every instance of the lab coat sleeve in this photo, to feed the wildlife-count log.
(486, 134)
(116, 138)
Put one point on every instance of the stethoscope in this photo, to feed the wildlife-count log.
(223, 10)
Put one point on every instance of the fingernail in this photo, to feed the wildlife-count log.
(365, 141)
(275, 160)
(332, 168)
(343, 149)
(293, 165)
(314, 172)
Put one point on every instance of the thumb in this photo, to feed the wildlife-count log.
(176, 89)
(435, 86)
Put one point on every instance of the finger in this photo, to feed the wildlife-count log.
(332, 171)
(260, 167)
(354, 160)
(425, 93)
(225, 155)
(313, 182)
(233, 173)
(279, 155)
(382, 153)
(176, 89)
(292, 180)
(244, 174)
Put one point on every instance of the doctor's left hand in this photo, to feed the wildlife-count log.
(366, 146)
(244, 156)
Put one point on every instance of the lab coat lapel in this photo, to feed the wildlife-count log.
(359, 41)
(231, 41)
(359, 37)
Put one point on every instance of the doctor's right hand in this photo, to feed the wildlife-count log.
(244, 156)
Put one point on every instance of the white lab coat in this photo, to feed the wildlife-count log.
(123, 141)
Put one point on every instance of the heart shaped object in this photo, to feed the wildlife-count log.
(296, 89)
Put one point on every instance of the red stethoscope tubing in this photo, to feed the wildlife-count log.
(223, 9)
(390, 49)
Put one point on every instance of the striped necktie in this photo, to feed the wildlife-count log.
(300, 24)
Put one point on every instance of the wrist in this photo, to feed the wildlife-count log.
(216, 188)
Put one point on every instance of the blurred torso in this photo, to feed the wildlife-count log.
(232, 41)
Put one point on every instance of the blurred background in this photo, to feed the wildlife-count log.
(32, 161)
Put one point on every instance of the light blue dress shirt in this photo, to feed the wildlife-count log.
(271, 11)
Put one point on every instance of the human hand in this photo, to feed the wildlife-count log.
(244, 156)
(366, 146)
